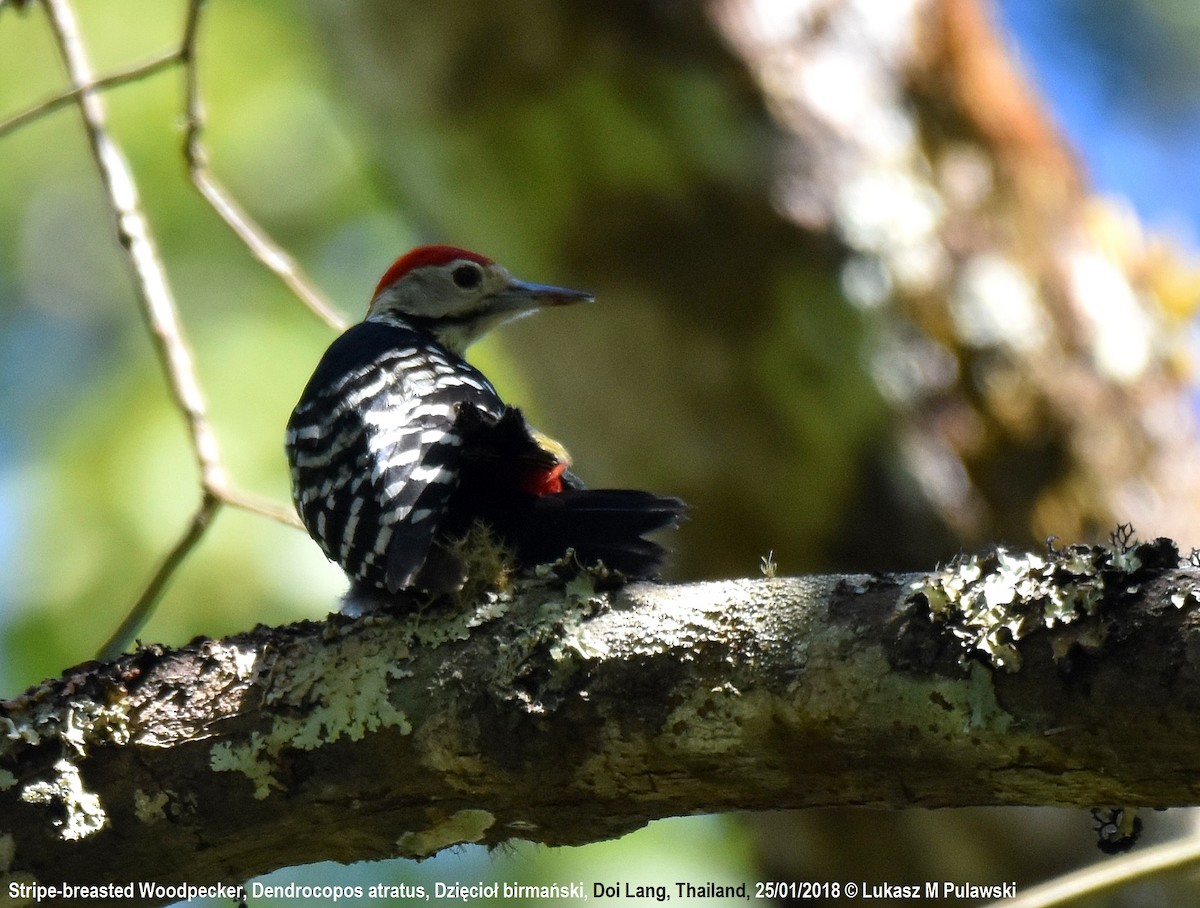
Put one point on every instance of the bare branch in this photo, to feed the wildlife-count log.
(148, 600)
(133, 231)
(121, 77)
(1109, 875)
(263, 507)
(260, 244)
(157, 305)
(153, 289)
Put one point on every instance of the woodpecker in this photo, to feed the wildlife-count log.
(398, 447)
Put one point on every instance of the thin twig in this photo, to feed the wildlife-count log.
(158, 309)
(150, 280)
(264, 507)
(121, 77)
(260, 244)
(1109, 875)
(146, 602)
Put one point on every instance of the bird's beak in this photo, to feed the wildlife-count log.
(519, 295)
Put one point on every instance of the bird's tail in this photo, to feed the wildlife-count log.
(517, 481)
(606, 525)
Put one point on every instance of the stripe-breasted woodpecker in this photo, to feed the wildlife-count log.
(398, 446)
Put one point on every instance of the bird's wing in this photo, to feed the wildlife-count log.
(373, 447)
(413, 478)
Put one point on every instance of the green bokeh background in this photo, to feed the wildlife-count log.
(616, 147)
(567, 141)
(596, 146)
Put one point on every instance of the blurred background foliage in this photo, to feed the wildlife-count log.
(620, 147)
(602, 159)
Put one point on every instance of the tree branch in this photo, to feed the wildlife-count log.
(133, 230)
(269, 253)
(1070, 888)
(155, 297)
(122, 77)
(557, 713)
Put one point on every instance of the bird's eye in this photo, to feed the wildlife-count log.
(467, 276)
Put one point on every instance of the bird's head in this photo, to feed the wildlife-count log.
(458, 296)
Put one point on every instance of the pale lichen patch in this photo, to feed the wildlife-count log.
(89, 722)
(77, 726)
(990, 602)
(448, 625)
(350, 714)
(255, 758)
(462, 827)
(83, 814)
(243, 661)
(583, 601)
(150, 808)
(344, 694)
(1184, 596)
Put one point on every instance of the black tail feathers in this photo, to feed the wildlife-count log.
(499, 457)
(606, 525)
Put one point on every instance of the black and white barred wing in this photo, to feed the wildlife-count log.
(415, 489)
(374, 455)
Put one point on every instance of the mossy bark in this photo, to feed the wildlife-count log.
(561, 714)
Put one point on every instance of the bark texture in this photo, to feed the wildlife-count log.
(561, 714)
